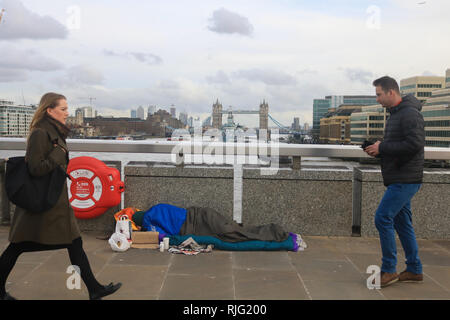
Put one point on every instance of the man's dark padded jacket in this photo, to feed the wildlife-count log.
(402, 150)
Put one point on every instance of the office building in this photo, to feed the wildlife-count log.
(436, 114)
(296, 124)
(421, 86)
(151, 110)
(183, 118)
(306, 126)
(133, 114)
(367, 124)
(358, 100)
(331, 103)
(88, 112)
(320, 109)
(447, 78)
(15, 120)
(140, 113)
(79, 116)
(173, 112)
(335, 126)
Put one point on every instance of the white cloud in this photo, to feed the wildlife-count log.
(359, 74)
(30, 59)
(80, 76)
(148, 58)
(219, 78)
(20, 23)
(12, 75)
(228, 22)
(269, 77)
(17, 64)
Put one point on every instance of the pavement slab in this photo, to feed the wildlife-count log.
(197, 287)
(139, 282)
(341, 290)
(331, 268)
(209, 264)
(268, 285)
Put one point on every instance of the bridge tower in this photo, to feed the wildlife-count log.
(264, 115)
(217, 115)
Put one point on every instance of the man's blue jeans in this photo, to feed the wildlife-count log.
(394, 212)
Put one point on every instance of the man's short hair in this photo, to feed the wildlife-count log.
(387, 83)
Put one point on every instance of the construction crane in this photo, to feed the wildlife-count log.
(1, 14)
(90, 100)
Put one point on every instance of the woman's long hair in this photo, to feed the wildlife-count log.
(48, 100)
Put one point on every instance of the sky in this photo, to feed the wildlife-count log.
(124, 54)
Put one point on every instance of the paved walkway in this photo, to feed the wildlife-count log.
(330, 268)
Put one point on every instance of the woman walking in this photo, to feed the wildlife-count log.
(56, 228)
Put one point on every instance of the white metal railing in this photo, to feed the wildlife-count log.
(214, 148)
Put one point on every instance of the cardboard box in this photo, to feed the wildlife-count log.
(145, 245)
(145, 240)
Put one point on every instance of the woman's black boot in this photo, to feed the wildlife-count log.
(7, 296)
(105, 291)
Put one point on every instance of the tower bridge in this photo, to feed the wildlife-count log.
(263, 112)
(218, 112)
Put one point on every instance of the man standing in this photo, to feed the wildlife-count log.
(402, 158)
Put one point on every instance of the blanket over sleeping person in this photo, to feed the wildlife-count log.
(171, 220)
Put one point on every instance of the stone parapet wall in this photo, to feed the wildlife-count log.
(430, 206)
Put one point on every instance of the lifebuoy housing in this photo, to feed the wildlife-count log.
(94, 187)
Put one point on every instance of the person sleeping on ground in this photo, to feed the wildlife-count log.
(170, 220)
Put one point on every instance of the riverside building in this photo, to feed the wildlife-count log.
(15, 120)
(335, 126)
(322, 107)
(436, 114)
(367, 124)
(421, 86)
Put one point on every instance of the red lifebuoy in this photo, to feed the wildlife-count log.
(94, 187)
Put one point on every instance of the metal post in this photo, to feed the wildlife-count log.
(356, 203)
(296, 162)
(237, 192)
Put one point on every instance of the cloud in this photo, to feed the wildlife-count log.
(15, 63)
(148, 58)
(307, 71)
(12, 75)
(169, 85)
(219, 78)
(80, 75)
(269, 77)
(20, 23)
(357, 74)
(30, 59)
(111, 53)
(227, 22)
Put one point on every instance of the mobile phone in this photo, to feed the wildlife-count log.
(366, 143)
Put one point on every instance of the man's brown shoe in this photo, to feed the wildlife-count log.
(387, 279)
(407, 276)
